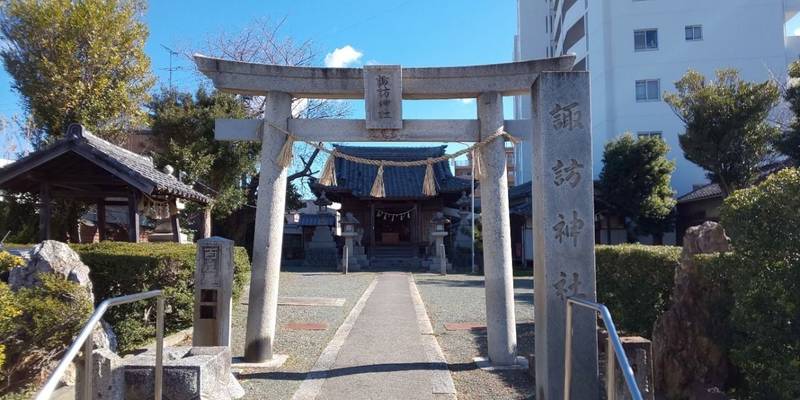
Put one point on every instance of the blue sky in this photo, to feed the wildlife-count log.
(410, 33)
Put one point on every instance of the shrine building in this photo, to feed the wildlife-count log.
(399, 222)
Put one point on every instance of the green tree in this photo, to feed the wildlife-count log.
(788, 142)
(726, 129)
(635, 183)
(183, 125)
(77, 61)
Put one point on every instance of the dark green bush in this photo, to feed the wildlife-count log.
(764, 225)
(119, 268)
(635, 282)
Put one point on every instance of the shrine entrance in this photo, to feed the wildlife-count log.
(395, 225)
(559, 133)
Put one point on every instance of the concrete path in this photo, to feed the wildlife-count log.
(387, 354)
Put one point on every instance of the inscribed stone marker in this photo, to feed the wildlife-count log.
(383, 94)
(563, 214)
(213, 292)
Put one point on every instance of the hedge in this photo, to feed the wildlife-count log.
(635, 282)
(763, 276)
(120, 268)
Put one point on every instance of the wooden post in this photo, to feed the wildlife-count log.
(173, 219)
(133, 217)
(101, 218)
(44, 211)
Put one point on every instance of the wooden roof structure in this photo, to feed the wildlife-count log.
(85, 167)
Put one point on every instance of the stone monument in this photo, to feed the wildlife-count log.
(563, 235)
(213, 285)
(320, 251)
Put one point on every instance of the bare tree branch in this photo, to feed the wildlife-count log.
(261, 41)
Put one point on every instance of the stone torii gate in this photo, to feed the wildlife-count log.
(562, 185)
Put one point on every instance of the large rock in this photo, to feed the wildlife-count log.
(56, 257)
(51, 256)
(687, 360)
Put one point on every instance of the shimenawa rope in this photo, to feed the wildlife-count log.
(328, 177)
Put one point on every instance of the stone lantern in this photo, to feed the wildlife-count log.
(349, 232)
(323, 203)
(438, 233)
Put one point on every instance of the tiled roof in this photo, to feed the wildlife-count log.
(399, 182)
(713, 190)
(126, 165)
(709, 191)
(317, 219)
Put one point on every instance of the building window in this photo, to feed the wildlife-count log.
(694, 32)
(645, 39)
(648, 90)
(648, 134)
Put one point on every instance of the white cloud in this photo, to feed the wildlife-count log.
(467, 101)
(343, 57)
(797, 32)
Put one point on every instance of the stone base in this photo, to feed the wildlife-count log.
(486, 365)
(189, 373)
(277, 361)
(321, 257)
(433, 265)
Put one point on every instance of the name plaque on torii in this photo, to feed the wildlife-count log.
(383, 96)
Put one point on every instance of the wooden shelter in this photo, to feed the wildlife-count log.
(84, 167)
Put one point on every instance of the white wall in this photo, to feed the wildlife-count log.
(744, 34)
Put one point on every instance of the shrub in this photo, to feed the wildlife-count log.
(119, 268)
(634, 282)
(8, 261)
(37, 325)
(764, 225)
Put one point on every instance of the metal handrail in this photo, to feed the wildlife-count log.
(614, 347)
(81, 340)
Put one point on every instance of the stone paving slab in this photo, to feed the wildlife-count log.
(463, 326)
(384, 355)
(305, 326)
(303, 347)
(311, 301)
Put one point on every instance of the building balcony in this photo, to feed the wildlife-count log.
(791, 8)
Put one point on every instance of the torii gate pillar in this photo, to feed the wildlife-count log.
(499, 280)
(268, 239)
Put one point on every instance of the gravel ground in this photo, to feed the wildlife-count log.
(461, 298)
(303, 347)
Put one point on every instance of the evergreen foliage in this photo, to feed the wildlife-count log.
(727, 132)
(77, 61)
(788, 143)
(635, 182)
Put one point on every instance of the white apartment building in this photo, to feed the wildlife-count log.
(636, 49)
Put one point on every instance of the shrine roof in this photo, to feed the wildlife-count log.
(399, 182)
(91, 165)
